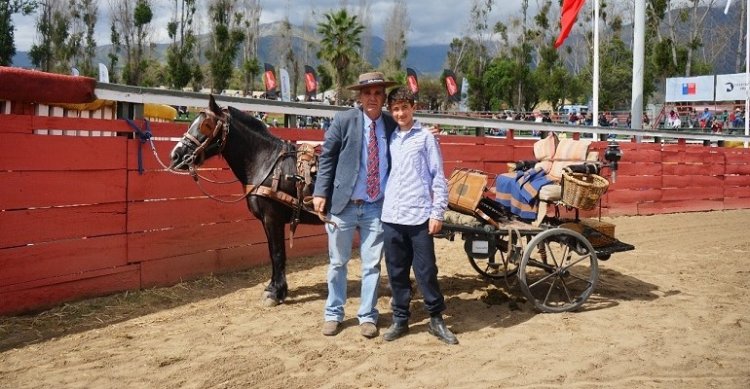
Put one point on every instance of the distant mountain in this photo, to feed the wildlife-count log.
(425, 59)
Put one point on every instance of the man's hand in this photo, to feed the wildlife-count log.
(319, 204)
(435, 226)
(435, 130)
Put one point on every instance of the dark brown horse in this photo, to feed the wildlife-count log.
(267, 168)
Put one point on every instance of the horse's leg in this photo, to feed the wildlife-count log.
(277, 289)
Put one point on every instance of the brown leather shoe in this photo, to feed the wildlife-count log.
(331, 328)
(368, 330)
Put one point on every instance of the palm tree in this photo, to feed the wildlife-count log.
(341, 39)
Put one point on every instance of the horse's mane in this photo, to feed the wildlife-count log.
(252, 123)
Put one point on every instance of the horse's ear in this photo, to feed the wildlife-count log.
(213, 106)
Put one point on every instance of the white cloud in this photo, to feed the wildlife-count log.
(431, 21)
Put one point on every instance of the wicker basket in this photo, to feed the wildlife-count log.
(582, 191)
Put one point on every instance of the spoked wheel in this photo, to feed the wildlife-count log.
(558, 270)
(487, 256)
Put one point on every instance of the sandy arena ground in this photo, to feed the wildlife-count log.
(671, 314)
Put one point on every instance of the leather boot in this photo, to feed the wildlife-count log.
(395, 331)
(438, 328)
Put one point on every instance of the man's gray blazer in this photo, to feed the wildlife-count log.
(340, 159)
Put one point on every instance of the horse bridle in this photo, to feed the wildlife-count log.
(197, 146)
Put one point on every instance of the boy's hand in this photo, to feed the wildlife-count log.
(435, 226)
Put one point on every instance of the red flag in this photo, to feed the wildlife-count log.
(570, 9)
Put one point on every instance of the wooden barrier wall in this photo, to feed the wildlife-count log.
(78, 220)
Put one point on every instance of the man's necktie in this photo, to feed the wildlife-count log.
(373, 165)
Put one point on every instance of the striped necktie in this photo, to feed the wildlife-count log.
(373, 165)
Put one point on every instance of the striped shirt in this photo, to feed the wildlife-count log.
(416, 188)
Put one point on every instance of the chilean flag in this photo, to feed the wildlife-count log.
(570, 9)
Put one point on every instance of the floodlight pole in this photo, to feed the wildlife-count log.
(639, 43)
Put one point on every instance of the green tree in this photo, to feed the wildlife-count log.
(61, 32)
(227, 35)
(250, 62)
(341, 37)
(395, 40)
(7, 29)
(114, 53)
(132, 23)
(180, 52)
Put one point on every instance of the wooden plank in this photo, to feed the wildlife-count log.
(737, 156)
(60, 258)
(636, 182)
(464, 153)
(146, 246)
(164, 185)
(687, 181)
(50, 224)
(168, 271)
(641, 155)
(622, 209)
(625, 196)
(693, 169)
(737, 203)
(639, 169)
(55, 153)
(46, 189)
(86, 285)
(704, 155)
(63, 123)
(692, 193)
(149, 215)
(736, 191)
(681, 206)
(737, 180)
(244, 257)
(737, 169)
(20, 124)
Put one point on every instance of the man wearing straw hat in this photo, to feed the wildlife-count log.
(352, 171)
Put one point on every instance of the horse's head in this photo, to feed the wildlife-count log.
(204, 139)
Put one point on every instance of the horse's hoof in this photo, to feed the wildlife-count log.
(268, 300)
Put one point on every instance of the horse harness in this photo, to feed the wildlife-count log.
(306, 167)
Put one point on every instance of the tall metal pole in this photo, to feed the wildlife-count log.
(639, 43)
(595, 86)
(747, 70)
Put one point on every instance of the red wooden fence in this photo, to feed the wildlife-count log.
(77, 219)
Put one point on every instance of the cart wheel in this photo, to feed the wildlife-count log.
(490, 264)
(558, 271)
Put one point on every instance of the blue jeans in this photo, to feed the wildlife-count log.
(366, 218)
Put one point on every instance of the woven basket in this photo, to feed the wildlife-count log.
(583, 191)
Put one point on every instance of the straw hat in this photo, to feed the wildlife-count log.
(371, 79)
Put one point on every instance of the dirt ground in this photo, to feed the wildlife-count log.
(671, 314)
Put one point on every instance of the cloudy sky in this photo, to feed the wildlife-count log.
(431, 21)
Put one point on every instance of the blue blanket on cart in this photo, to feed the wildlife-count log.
(519, 191)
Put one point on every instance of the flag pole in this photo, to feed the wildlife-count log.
(639, 36)
(747, 69)
(595, 86)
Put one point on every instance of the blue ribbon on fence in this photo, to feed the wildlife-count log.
(144, 136)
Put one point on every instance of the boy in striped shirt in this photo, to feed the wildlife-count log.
(416, 196)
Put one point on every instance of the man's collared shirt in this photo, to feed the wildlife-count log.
(417, 189)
